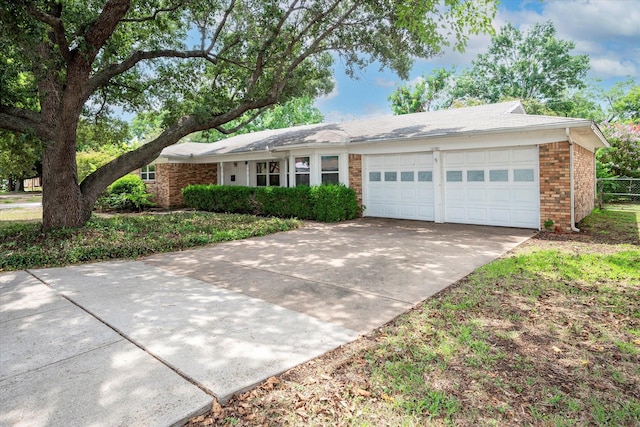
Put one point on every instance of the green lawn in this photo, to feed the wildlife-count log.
(548, 335)
(23, 245)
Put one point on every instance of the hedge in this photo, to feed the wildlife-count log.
(327, 203)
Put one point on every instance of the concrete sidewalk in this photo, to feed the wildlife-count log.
(152, 342)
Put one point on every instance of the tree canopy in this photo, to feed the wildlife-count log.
(204, 62)
(535, 65)
(430, 92)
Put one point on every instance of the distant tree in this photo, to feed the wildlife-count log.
(623, 157)
(534, 66)
(103, 132)
(626, 108)
(430, 92)
(249, 55)
(19, 158)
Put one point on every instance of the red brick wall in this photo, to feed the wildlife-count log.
(584, 175)
(171, 178)
(555, 196)
(355, 175)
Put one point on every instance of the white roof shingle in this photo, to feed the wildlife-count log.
(501, 117)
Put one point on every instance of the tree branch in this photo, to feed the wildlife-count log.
(103, 77)
(58, 30)
(223, 22)
(18, 120)
(103, 27)
(241, 125)
(155, 14)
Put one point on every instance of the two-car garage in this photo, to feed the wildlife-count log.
(489, 187)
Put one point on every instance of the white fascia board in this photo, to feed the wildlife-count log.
(435, 139)
(463, 142)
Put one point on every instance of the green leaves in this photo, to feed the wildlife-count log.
(430, 93)
(528, 66)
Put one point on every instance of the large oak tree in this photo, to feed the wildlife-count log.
(203, 62)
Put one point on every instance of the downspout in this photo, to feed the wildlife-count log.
(571, 183)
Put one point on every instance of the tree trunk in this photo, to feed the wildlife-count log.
(62, 202)
(20, 185)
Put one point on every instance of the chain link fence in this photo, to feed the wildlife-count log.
(618, 190)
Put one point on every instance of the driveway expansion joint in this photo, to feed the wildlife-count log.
(127, 338)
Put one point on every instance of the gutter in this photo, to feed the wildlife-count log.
(571, 183)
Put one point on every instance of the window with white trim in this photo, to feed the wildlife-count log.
(268, 174)
(303, 171)
(330, 167)
(148, 173)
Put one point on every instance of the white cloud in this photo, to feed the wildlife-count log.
(331, 95)
(384, 82)
(336, 116)
(607, 68)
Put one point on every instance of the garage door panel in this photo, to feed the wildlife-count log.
(507, 196)
(455, 193)
(375, 208)
(499, 195)
(456, 158)
(499, 216)
(477, 215)
(407, 193)
(499, 156)
(424, 159)
(476, 195)
(525, 195)
(524, 218)
(425, 211)
(400, 193)
(424, 192)
(376, 193)
(475, 158)
(524, 155)
(454, 213)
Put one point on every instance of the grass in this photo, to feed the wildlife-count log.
(21, 214)
(23, 245)
(615, 224)
(20, 197)
(548, 335)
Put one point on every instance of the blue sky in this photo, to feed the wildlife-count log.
(606, 30)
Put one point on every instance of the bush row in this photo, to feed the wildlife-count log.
(327, 203)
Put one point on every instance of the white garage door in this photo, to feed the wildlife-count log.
(399, 186)
(493, 187)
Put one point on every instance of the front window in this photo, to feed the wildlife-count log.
(268, 174)
(302, 171)
(330, 170)
(148, 173)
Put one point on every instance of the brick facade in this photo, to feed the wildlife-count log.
(355, 176)
(555, 196)
(584, 175)
(555, 184)
(171, 178)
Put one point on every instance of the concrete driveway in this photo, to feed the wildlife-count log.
(151, 342)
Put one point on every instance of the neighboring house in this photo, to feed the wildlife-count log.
(490, 165)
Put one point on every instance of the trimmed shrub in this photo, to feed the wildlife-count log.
(333, 203)
(284, 202)
(128, 184)
(324, 203)
(128, 193)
